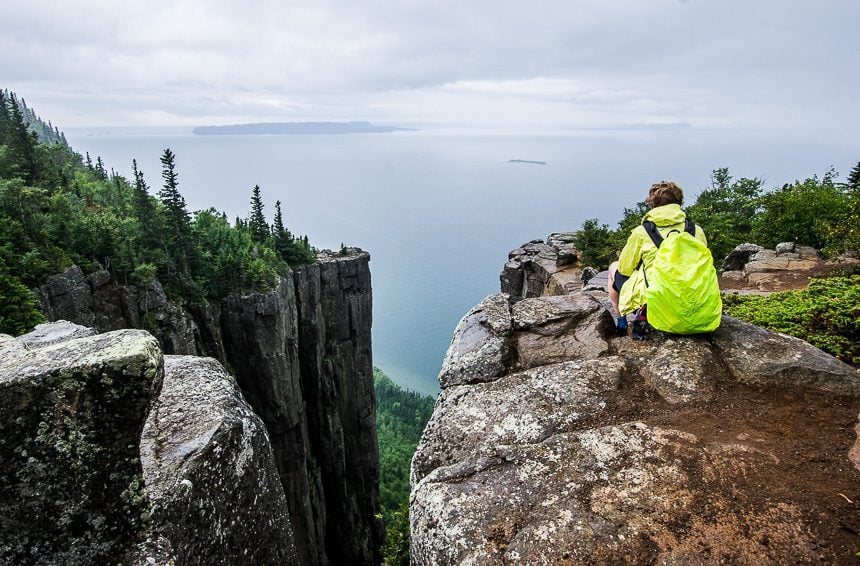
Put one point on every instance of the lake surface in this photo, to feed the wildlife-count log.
(439, 211)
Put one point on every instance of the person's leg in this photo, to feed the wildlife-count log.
(613, 294)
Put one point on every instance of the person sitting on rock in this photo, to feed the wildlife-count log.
(627, 284)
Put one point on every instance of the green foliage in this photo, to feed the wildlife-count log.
(19, 309)
(595, 244)
(257, 222)
(812, 212)
(395, 551)
(57, 209)
(826, 314)
(726, 211)
(400, 419)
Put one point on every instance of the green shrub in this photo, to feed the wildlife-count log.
(826, 314)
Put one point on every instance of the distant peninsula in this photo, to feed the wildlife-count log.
(296, 128)
(533, 162)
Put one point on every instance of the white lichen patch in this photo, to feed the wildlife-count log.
(246, 450)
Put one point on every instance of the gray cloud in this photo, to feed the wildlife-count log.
(768, 64)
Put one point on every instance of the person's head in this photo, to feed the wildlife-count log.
(664, 192)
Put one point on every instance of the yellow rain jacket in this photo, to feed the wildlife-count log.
(639, 247)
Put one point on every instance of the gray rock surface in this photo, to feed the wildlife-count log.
(335, 307)
(532, 269)
(738, 257)
(480, 349)
(72, 412)
(757, 356)
(554, 442)
(209, 471)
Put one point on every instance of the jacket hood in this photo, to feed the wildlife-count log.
(666, 215)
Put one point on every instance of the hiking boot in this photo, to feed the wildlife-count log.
(621, 326)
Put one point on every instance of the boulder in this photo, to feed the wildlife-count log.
(73, 407)
(559, 328)
(537, 268)
(524, 407)
(209, 471)
(757, 356)
(480, 349)
(738, 257)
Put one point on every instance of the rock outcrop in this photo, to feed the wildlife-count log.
(788, 266)
(73, 406)
(214, 490)
(537, 266)
(111, 455)
(731, 447)
(301, 355)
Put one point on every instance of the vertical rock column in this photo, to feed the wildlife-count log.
(334, 316)
(260, 340)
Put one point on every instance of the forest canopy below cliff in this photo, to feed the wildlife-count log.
(58, 208)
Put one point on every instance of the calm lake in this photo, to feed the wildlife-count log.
(439, 211)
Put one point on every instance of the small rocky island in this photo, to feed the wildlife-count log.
(296, 128)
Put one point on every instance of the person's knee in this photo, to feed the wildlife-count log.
(613, 267)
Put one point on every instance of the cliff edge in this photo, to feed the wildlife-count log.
(556, 442)
(301, 356)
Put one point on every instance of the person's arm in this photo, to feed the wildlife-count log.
(628, 261)
(700, 235)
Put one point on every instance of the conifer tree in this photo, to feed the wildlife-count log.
(283, 237)
(257, 222)
(100, 169)
(854, 178)
(178, 226)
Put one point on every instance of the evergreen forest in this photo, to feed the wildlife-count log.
(58, 208)
(400, 419)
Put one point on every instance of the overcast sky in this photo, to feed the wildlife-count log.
(783, 67)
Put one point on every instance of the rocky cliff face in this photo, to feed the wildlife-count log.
(556, 442)
(301, 355)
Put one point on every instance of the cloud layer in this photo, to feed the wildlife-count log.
(781, 66)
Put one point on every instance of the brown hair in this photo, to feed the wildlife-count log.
(664, 192)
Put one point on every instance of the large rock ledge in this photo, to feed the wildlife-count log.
(555, 442)
(78, 485)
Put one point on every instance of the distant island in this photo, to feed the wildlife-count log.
(527, 161)
(296, 128)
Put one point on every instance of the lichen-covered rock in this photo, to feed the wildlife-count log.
(72, 413)
(559, 328)
(734, 447)
(524, 407)
(758, 356)
(626, 494)
(681, 369)
(481, 347)
(209, 471)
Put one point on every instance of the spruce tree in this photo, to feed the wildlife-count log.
(100, 169)
(283, 237)
(854, 178)
(144, 207)
(257, 222)
(178, 221)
